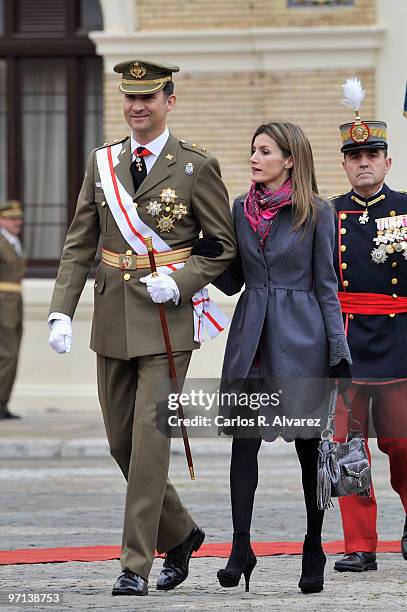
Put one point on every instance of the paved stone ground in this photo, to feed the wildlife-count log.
(75, 500)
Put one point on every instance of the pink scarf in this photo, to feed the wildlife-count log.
(261, 206)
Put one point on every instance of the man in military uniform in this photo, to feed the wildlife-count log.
(147, 183)
(371, 264)
(11, 306)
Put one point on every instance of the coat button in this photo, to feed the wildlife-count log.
(344, 266)
(127, 276)
(95, 285)
(129, 252)
(346, 283)
(392, 315)
(394, 264)
(343, 230)
(343, 248)
(344, 216)
(103, 203)
(395, 296)
(394, 281)
(392, 213)
(351, 316)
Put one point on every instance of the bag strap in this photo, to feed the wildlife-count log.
(348, 404)
(328, 432)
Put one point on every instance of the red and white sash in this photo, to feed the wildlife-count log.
(209, 320)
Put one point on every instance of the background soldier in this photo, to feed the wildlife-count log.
(177, 191)
(11, 306)
(371, 265)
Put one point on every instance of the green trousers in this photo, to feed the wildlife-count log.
(154, 518)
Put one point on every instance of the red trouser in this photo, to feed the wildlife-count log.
(389, 413)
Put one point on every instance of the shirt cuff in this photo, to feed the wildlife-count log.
(58, 316)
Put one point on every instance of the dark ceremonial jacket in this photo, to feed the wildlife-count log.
(378, 343)
(126, 322)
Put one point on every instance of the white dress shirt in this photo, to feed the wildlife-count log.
(155, 147)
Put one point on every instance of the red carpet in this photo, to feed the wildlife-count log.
(106, 553)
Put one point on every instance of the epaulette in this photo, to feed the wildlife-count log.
(333, 197)
(193, 147)
(113, 142)
(401, 190)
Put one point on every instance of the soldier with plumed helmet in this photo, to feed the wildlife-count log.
(371, 265)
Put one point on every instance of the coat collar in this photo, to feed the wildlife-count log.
(374, 199)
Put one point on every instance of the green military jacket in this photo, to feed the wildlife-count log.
(11, 273)
(126, 322)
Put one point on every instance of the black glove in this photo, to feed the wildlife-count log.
(341, 371)
(207, 247)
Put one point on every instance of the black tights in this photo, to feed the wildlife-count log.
(244, 478)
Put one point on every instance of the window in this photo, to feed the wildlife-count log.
(314, 3)
(3, 133)
(91, 16)
(1, 17)
(51, 93)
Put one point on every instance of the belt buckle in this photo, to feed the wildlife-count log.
(127, 262)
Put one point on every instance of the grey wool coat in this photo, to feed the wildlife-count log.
(289, 312)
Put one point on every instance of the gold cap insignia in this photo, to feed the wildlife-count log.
(137, 71)
(359, 131)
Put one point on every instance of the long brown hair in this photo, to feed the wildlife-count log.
(293, 143)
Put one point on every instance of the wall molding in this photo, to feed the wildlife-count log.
(255, 49)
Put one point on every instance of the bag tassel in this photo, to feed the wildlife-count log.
(324, 487)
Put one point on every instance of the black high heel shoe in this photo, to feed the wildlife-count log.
(313, 564)
(242, 560)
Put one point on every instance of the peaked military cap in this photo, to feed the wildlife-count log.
(144, 76)
(11, 209)
(360, 134)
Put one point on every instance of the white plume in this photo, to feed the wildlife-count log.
(353, 94)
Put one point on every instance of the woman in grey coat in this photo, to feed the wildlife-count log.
(287, 325)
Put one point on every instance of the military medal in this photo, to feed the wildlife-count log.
(154, 208)
(167, 211)
(165, 224)
(364, 218)
(168, 195)
(138, 164)
(391, 237)
(379, 254)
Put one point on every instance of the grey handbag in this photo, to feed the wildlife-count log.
(343, 467)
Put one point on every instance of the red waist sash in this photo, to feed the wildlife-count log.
(371, 303)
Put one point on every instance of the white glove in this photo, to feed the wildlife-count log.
(161, 288)
(60, 338)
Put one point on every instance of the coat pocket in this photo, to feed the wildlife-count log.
(356, 477)
(106, 221)
(100, 280)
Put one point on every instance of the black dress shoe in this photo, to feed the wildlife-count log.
(6, 414)
(129, 583)
(175, 569)
(356, 562)
(404, 541)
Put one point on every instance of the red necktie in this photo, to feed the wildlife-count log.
(138, 167)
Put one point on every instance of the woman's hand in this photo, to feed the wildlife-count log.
(341, 372)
